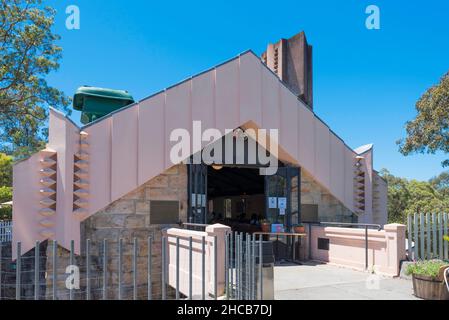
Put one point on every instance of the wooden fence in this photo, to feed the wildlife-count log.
(425, 236)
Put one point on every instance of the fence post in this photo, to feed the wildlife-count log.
(440, 234)
(164, 264)
(177, 268)
(260, 267)
(415, 238)
(434, 236)
(72, 262)
(203, 268)
(422, 228)
(55, 269)
(366, 247)
(88, 269)
(1, 259)
(36, 271)
(445, 218)
(18, 270)
(227, 266)
(429, 245)
(215, 268)
(105, 265)
(190, 267)
(149, 268)
(409, 237)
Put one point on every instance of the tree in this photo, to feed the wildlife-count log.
(429, 131)
(5, 170)
(441, 183)
(411, 196)
(28, 53)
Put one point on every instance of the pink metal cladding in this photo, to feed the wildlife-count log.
(131, 146)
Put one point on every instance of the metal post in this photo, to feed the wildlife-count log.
(149, 278)
(253, 266)
(232, 264)
(135, 268)
(36, 271)
(177, 268)
(72, 262)
(164, 295)
(260, 267)
(120, 259)
(247, 255)
(105, 265)
(415, 237)
(227, 266)
(88, 269)
(215, 268)
(237, 266)
(366, 247)
(18, 270)
(55, 269)
(241, 265)
(190, 267)
(409, 237)
(434, 236)
(203, 268)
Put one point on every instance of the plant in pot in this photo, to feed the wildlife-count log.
(299, 228)
(428, 279)
(265, 225)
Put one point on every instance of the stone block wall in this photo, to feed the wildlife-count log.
(329, 208)
(127, 218)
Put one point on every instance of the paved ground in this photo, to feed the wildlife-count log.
(326, 282)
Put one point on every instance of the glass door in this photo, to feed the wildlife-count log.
(197, 194)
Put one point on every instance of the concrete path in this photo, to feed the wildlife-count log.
(326, 282)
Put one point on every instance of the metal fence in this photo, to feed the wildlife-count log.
(136, 269)
(5, 231)
(425, 236)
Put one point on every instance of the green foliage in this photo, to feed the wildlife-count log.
(429, 131)
(430, 268)
(411, 196)
(5, 170)
(28, 53)
(441, 183)
(5, 194)
(6, 213)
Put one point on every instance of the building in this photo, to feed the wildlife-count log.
(115, 177)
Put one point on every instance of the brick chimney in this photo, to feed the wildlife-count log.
(291, 60)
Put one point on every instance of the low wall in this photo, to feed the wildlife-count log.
(197, 253)
(346, 247)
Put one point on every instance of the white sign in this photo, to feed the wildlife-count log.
(193, 200)
(281, 211)
(282, 203)
(272, 203)
(203, 200)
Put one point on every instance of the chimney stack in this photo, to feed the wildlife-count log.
(291, 60)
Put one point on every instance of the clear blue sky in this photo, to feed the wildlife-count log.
(366, 82)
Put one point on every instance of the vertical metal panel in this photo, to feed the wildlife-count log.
(55, 269)
(231, 264)
(445, 221)
(164, 266)
(422, 238)
(88, 269)
(177, 268)
(105, 266)
(409, 237)
(215, 268)
(18, 270)
(135, 252)
(260, 268)
(434, 236)
(120, 266)
(72, 263)
(415, 236)
(203, 268)
(227, 265)
(190, 267)
(237, 265)
(440, 234)
(428, 236)
(149, 268)
(247, 258)
(36, 271)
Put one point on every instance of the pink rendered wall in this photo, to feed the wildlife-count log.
(132, 146)
(386, 248)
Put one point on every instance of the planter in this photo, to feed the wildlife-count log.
(266, 227)
(299, 229)
(429, 288)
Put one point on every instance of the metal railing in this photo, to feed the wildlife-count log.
(5, 231)
(134, 269)
(365, 226)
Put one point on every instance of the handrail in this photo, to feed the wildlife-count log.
(364, 225)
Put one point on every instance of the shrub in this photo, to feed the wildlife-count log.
(5, 194)
(429, 268)
(6, 213)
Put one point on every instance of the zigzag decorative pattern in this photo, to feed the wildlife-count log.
(48, 193)
(359, 186)
(81, 178)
